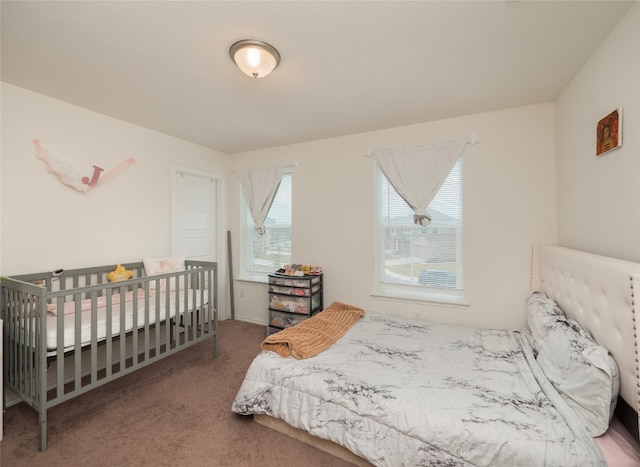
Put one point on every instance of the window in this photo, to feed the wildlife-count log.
(420, 262)
(266, 253)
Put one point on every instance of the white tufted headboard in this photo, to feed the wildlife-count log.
(598, 292)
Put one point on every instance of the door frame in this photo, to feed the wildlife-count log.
(220, 246)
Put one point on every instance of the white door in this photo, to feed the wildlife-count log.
(195, 216)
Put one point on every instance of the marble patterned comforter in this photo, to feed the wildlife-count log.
(407, 393)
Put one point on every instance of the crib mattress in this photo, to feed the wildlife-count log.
(161, 307)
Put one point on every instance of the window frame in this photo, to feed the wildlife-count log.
(246, 230)
(409, 292)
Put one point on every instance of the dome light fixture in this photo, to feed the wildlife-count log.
(255, 58)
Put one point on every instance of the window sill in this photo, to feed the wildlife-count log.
(447, 298)
(253, 277)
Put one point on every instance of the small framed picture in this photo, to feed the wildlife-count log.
(609, 132)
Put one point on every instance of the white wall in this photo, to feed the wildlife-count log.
(509, 204)
(599, 197)
(45, 224)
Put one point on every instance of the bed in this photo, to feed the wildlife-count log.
(67, 332)
(395, 391)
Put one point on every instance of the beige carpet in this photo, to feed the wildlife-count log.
(176, 412)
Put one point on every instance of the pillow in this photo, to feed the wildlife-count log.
(543, 314)
(158, 266)
(583, 372)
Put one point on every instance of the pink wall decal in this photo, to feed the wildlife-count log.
(70, 177)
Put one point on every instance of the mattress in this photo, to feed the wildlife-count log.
(161, 307)
(402, 392)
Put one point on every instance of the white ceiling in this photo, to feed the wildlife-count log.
(347, 66)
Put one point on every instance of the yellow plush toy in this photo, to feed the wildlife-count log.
(119, 274)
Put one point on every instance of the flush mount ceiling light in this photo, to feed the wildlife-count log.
(255, 58)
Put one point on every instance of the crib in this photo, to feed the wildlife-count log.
(68, 332)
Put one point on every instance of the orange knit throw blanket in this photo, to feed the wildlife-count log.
(315, 334)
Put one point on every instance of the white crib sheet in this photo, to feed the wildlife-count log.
(157, 313)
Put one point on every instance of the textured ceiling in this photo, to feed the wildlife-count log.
(347, 66)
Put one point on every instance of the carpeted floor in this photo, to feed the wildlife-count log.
(176, 412)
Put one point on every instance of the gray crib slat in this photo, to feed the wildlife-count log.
(30, 335)
(23, 353)
(206, 299)
(123, 349)
(156, 310)
(23, 349)
(191, 312)
(168, 321)
(175, 326)
(146, 330)
(59, 358)
(198, 309)
(18, 336)
(24, 334)
(168, 324)
(147, 305)
(204, 319)
(30, 332)
(77, 348)
(186, 314)
(40, 367)
(94, 336)
(182, 306)
(109, 334)
(182, 317)
(134, 324)
(16, 324)
(146, 335)
(9, 332)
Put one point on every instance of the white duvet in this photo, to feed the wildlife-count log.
(406, 393)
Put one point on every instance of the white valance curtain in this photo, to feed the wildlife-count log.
(259, 187)
(418, 172)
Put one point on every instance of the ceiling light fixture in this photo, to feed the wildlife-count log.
(255, 58)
